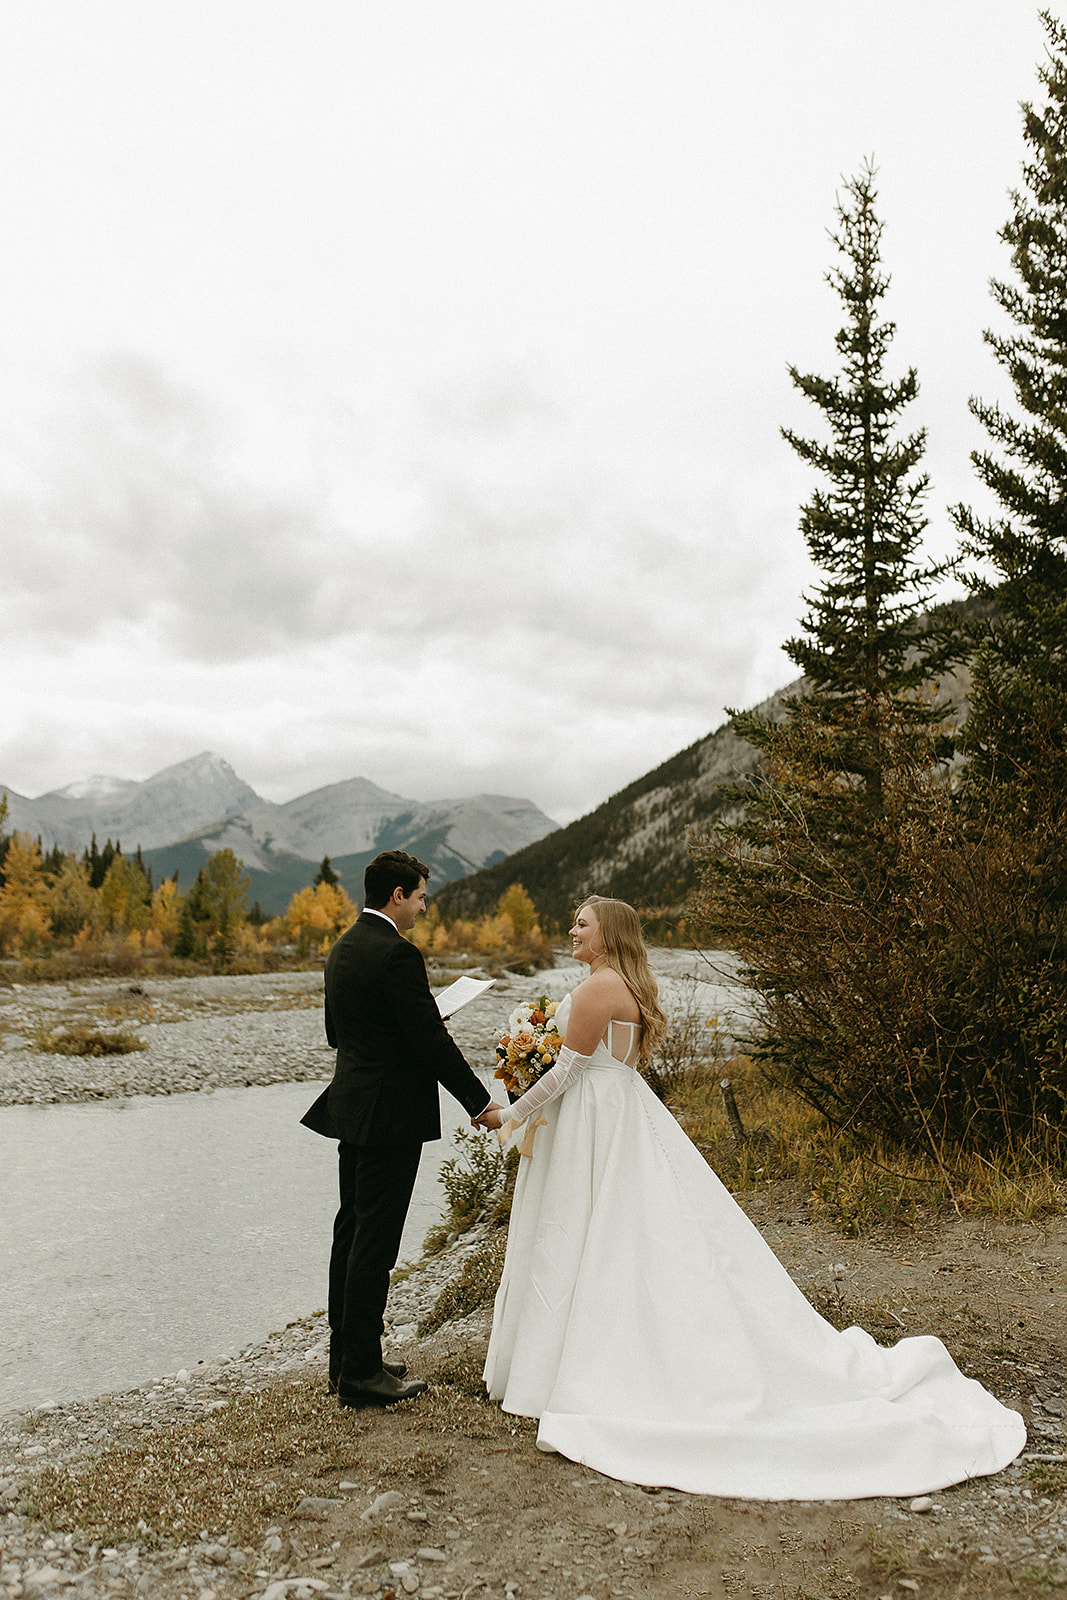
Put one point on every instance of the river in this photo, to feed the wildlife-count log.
(143, 1236)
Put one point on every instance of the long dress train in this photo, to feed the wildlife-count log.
(643, 1319)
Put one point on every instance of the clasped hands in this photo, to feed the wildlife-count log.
(491, 1117)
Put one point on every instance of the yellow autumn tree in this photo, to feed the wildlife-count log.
(166, 905)
(318, 916)
(25, 913)
(516, 904)
(73, 902)
(125, 897)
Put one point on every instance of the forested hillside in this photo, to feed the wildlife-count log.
(634, 846)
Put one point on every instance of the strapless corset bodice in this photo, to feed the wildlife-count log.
(620, 1036)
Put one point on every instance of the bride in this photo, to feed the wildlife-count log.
(643, 1320)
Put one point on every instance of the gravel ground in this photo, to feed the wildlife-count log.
(995, 1293)
(991, 1537)
(198, 1033)
(214, 1032)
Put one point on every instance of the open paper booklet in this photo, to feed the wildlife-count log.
(460, 993)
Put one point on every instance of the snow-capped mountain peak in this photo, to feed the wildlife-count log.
(99, 787)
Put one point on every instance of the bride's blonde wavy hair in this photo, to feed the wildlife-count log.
(619, 927)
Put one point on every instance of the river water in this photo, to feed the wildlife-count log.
(140, 1237)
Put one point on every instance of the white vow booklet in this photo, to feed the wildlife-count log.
(461, 993)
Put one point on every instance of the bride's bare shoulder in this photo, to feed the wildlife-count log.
(605, 990)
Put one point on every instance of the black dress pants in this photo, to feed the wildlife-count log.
(375, 1183)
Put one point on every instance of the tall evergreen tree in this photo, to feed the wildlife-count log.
(52, 862)
(91, 858)
(139, 862)
(810, 882)
(863, 641)
(98, 861)
(325, 874)
(1016, 736)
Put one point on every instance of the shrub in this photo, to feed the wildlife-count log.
(84, 1040)
(904, 989)
(473, 1286)
(475, 1182)
(694, 1043)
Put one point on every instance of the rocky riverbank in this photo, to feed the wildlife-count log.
(192, 1034)
(445, 1497)
(184, 1035)
(483, 1513)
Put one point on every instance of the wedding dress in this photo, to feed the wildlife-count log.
(643, 1319)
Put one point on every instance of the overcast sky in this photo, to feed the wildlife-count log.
(394, 389)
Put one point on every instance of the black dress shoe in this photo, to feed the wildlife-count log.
(397, 1368)
(383, 1389)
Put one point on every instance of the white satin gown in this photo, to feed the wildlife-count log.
(644, 1321)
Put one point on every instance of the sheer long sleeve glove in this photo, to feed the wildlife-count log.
(555, 1080)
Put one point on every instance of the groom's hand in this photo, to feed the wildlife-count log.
(489, 1118)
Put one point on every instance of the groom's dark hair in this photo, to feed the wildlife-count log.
(393, 869)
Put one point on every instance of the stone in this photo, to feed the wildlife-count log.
(45, 1577)
(294, 1589)
(921, 1503)
(383, 1502)
(316, 1507)
(371, 1558)
(429, 1552)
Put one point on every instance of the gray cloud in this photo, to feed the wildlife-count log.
(148, 521)
(439, 585)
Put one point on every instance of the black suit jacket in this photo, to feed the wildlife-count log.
(392, 1046)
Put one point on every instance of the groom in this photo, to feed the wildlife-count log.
(392, 1051)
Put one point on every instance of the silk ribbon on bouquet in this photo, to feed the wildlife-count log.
(525, 1146)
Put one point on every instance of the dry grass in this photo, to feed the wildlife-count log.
(83, 1039)
(1046, 1478)
(71, 966)
(250, 1464)
(858, 1187)
(474, 1285)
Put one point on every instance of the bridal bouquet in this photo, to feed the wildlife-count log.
(530, 1046)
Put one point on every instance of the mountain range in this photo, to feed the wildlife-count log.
(635, 846)
(181, 815)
